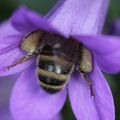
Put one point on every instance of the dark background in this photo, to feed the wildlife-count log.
(43, 6)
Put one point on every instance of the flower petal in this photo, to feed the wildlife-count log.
(101, 107)
(28, 21)
(6, 84)
(57, 117)
(9, 49)
(106, 50)
(9, 42)
(7, 29)
(27, 97)
(79, 17)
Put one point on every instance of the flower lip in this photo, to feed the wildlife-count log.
(83, 106)
(28, 97)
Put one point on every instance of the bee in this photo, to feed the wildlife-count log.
(56, 59)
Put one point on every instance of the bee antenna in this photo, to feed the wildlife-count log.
(25, 58)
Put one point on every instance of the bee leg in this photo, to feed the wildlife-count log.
(84, 76)
(85, 66)
(25, 58)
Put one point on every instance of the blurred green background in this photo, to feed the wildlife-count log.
(43, 6)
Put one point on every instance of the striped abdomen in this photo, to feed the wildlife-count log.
(53, 69)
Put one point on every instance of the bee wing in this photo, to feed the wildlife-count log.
(33, 41)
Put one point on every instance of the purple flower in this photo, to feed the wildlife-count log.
(5, 90)
(84, 21)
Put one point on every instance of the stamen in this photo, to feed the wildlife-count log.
(26, 58)
(84, 76)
